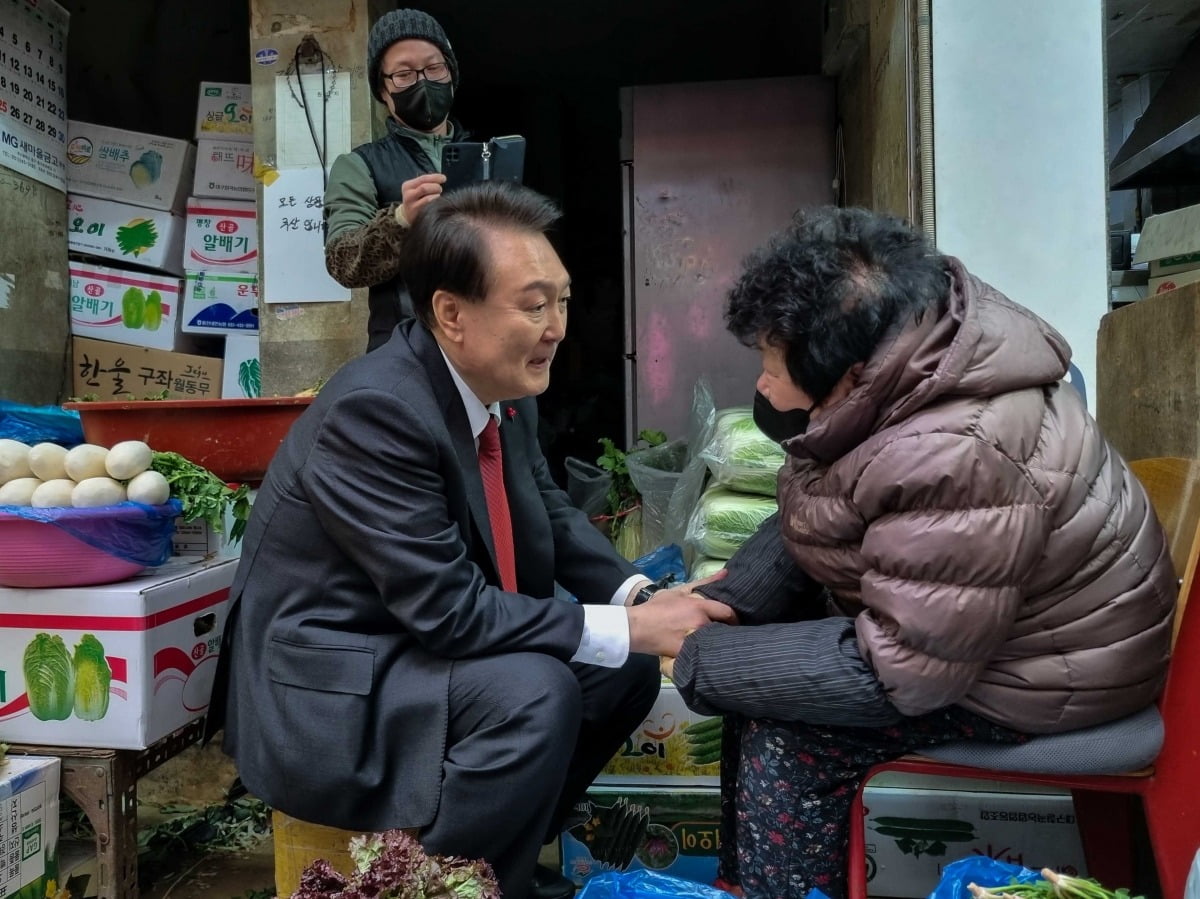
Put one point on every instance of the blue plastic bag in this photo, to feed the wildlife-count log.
(40, 424)
(664, 565)
(980, 870)
(643, 884)
(131, 531)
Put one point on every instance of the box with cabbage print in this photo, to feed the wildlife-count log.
(135, 308)
(115, 666)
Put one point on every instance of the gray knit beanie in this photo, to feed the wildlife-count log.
(400, 25)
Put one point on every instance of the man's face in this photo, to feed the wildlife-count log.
(405, 56)
(504, 345)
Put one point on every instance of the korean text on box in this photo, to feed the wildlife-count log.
(222, 235)
(29, 794)
(125, 306)
(116, 371)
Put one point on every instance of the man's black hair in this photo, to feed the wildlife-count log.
(445, 249)
(827, 289)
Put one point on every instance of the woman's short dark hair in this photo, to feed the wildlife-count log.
(445, 248)
(827, 289)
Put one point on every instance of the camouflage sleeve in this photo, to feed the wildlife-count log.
(362, 242)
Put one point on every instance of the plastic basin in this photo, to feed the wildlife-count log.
(233, 438)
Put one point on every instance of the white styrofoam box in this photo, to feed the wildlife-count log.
(224, 111)
(242, 376)
(135, 308)
(128, 166)
(135, 235)
(222, 235)
(160, 635)
(221, 303)
(224, 169)
(916, 826)
(29, 791)
(661, 752)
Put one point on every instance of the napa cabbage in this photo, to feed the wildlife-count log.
(49, 678)
(741, 456)
(92, 677)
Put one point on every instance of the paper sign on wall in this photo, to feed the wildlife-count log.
(293, 255)
(312, 118)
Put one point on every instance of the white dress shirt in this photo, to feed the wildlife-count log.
(605, 640)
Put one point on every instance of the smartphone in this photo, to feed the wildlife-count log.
(469, 162)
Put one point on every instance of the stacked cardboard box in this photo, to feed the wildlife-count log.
(1170, 244)
(29, 795)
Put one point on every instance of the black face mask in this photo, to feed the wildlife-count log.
(779, 426)
(425, 105)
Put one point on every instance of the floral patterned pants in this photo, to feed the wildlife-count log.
(786, 790)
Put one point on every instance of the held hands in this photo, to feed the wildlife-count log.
(660, 625)
(416, 194)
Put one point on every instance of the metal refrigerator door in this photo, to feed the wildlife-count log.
(712, 170)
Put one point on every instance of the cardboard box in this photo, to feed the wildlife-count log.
(198, 539)
(29, 791)
(243, 371)
(160, 635)
(128, 166)
(1170, 241)
(225, 112)
(134, 235)
(1172, 282)
(674, 832)
(128, 307)
(661, 751)
(913, 831)
(113, 371)
(221, 303)
(222, 235)
(225, 170)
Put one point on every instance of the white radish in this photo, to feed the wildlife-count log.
(102, 491)
(18, 491)
(86, 461)
(14, 461)
(128, 459)
(53, 494)
(48, 461)
(150, 488)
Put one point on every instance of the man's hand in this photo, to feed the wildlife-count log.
(659, 626)
(417, 193)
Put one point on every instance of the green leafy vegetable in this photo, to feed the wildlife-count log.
(92, 677)
(1052, 886)
(623, 498)
(49, 678)
(741, 456)
(723, 520)
(203, 494)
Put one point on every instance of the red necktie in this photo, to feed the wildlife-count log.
(491, 466)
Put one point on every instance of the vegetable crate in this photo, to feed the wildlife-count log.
(674, 746)
(116, 666)
(914, 830)
(673, 832)
(28, 826)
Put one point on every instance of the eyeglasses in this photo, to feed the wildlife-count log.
(437, 71)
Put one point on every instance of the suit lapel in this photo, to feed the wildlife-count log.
(426, 349)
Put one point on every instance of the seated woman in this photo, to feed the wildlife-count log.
(958, 554)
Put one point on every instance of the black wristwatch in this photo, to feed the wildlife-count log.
(645, 593)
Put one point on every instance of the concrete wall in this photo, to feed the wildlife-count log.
(301, 343)
(34, 310)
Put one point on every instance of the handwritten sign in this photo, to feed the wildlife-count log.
(294, 241)
(33, 90)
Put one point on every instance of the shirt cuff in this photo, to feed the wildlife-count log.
(605, 640)
(626, 588)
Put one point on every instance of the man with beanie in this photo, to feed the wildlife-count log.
(377, 190)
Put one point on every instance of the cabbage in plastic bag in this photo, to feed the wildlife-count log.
(724, 520)
(740, 456)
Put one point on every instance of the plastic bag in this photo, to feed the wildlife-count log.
(663, 565)
(40, 424)
(724, 519)
(695, 472)
(587, 485)
(740, 456)
(643, 884)
(655, 471)
(981, 870)
(131, 531)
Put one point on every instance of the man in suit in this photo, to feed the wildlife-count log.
(396, 655)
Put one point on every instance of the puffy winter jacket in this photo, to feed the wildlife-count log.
(997, 551)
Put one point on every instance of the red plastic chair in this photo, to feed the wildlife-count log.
(1169, 790)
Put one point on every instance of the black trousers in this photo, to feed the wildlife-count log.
(527, 736)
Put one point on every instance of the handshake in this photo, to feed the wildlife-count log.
(659, 625)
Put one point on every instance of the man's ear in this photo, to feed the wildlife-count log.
(447, 311)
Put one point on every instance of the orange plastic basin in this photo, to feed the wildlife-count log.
(233, 438)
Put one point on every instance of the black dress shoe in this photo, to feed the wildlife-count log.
(549, 883)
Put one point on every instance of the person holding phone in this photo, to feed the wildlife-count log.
(376, 191)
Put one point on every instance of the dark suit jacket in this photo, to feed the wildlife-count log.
(368, 568)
